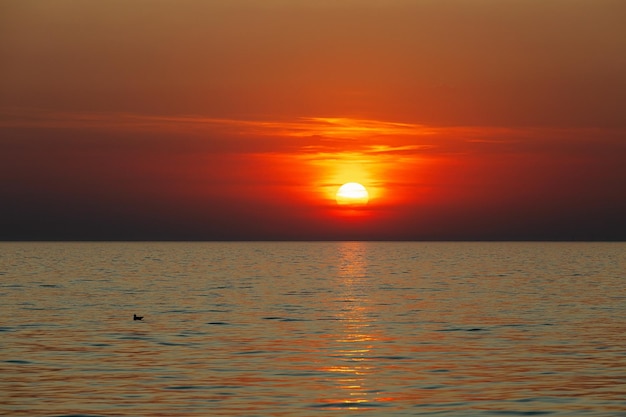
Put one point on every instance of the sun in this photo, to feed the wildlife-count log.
(352, 194)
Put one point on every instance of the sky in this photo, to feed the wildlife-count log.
(240, 119)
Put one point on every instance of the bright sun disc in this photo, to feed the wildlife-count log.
(352, 194)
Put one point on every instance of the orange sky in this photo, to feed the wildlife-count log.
(228, 120)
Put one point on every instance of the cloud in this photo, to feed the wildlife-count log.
(304, 136)
(278, 175)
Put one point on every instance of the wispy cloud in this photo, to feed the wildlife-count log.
(324, 135)
(331, 127)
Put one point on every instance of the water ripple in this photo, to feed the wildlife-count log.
(377, 329)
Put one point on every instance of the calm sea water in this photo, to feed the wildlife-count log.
(307, 329)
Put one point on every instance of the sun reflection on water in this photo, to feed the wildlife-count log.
(352, 344)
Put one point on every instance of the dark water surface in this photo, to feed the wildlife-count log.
(304, 329)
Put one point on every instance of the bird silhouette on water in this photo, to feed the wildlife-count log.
(136, 317)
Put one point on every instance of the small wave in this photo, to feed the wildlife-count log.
(134, 338)
(18, 361)
(251, 352)
(461, 329)
(285, 319)
(394, 358)
(519, 413)
(79, 415)
(348, 404)
(171, 344)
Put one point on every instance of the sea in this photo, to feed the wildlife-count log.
(313, 329)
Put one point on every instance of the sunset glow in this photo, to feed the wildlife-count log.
(312, 207)
(241, 120)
